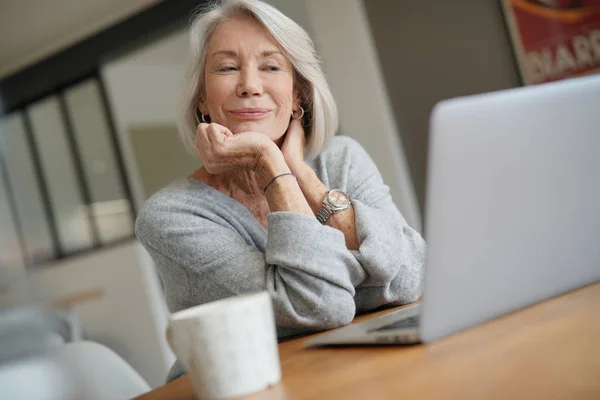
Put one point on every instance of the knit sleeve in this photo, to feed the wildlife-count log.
(390, 251)
(305, 267)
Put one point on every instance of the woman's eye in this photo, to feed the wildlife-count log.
(227, 69)
(272, 68)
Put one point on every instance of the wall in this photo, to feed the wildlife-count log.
(431, 51)
(343, 39)
(143, 88)
(160, 142)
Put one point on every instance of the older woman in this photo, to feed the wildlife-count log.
(279, 204)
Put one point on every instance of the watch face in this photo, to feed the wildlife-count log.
(338, 198)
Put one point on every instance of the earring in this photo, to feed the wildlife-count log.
(301, 113)
(200, 117)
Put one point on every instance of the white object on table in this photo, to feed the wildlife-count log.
(229, 347)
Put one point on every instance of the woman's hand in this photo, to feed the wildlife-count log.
(293, 145)
(221, 151)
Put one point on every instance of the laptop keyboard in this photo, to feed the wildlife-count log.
(409, 322)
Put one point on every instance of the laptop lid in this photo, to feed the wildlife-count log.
(513, 202)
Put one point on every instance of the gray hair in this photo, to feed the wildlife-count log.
(320, 119)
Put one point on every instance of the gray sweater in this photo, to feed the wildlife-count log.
(208, 246)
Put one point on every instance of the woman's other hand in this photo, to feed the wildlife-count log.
(221, 151)
(293, 145)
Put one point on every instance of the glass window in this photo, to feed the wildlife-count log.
(10, 247)
(109, 205)
(29, 207)
(58, 169)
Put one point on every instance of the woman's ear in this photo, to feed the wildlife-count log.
(296, 103)
(202, 114)
(201, 107)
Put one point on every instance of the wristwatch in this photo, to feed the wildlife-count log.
(334, 202)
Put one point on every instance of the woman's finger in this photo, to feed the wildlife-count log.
(227, 132)
(295, 126)
(218, 132)
(200, 138)
(296, 133)
(212, 132)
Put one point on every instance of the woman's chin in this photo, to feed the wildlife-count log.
(252, 126)
(248, 126)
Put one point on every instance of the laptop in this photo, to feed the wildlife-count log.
(512, 210)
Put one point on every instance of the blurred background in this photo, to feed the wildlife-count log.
(89, 94)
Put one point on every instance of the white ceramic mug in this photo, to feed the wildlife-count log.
(229, 346)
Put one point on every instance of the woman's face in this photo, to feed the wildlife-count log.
(249, 83)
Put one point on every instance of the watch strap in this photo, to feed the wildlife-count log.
(324, 214)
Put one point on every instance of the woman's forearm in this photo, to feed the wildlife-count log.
(314, 192)
(284, 193)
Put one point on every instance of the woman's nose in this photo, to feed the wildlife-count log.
(249, 84)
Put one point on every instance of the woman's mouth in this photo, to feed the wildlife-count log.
(250, 113)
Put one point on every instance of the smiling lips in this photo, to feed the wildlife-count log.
(250, 113)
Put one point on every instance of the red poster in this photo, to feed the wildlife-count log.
(554, 39)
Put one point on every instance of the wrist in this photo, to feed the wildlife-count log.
(272, 164)
(313, 189)
(304, 173)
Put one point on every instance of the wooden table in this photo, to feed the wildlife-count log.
(548, 351)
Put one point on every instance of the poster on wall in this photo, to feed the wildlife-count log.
(554, 39)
